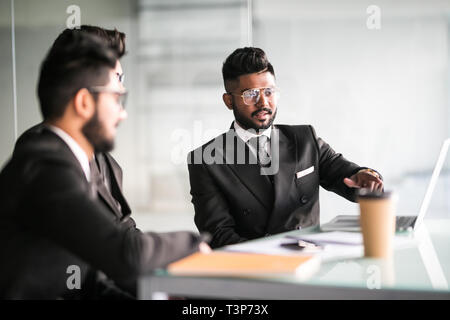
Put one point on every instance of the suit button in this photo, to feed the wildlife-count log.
(304, 199)
(246, 212)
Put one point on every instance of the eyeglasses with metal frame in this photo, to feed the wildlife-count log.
(121, 94)
(252, 96)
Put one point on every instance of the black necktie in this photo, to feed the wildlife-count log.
(260, 143)
(98, 183)
(96, 178)
(264, 160)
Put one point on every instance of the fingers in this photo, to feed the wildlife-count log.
(364, 180)
(373, 186)
(370, 182)
(367, 185)
(371, 178)
(204, 248)
(350, 183)
(380, 187)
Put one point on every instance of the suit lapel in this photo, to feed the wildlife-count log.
(284, 179)
(114, 168)
(107, 198)
(41, 129)
(243, 163)
(102, 190)
(116, 183)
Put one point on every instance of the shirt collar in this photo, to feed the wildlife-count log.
(75, 148)
(246, 135)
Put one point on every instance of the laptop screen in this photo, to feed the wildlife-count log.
(427, 191)
(411, 192)
(440, 199)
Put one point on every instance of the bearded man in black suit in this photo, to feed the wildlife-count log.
(258, 178)
(110, 191)
(52, 222)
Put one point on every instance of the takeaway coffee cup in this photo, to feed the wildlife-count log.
(377, 219)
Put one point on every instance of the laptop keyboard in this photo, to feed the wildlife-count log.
(404, 222)
(351, 223)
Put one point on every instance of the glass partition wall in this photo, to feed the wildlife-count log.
(7, 109)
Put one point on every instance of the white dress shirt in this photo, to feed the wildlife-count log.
(246, 135)
(76, 149)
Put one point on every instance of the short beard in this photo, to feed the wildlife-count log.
(94, 133)
(248, 124)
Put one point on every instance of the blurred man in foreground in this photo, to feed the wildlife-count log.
(55, 233)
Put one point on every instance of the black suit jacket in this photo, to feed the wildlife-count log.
(111, 194)
(234, 202)
(50, 220)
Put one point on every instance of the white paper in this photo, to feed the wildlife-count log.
(336, 237)
(273, 246)
(334, 245)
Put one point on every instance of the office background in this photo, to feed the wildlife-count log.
(379, 96)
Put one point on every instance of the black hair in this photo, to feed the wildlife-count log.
(114, 38)
(245, 61)
(76, 60)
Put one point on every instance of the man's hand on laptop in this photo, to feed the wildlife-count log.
(365, 178)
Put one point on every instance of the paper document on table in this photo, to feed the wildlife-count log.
(346, 238)
(336, 237)
(330, 245)
(274, 246)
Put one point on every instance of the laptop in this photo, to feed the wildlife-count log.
(402, 223)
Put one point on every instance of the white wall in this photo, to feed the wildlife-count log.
(378, 96)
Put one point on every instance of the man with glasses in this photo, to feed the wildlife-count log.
(258, 178)
(108, 171)
(58, 240)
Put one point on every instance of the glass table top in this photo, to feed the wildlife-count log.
(422, 266)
